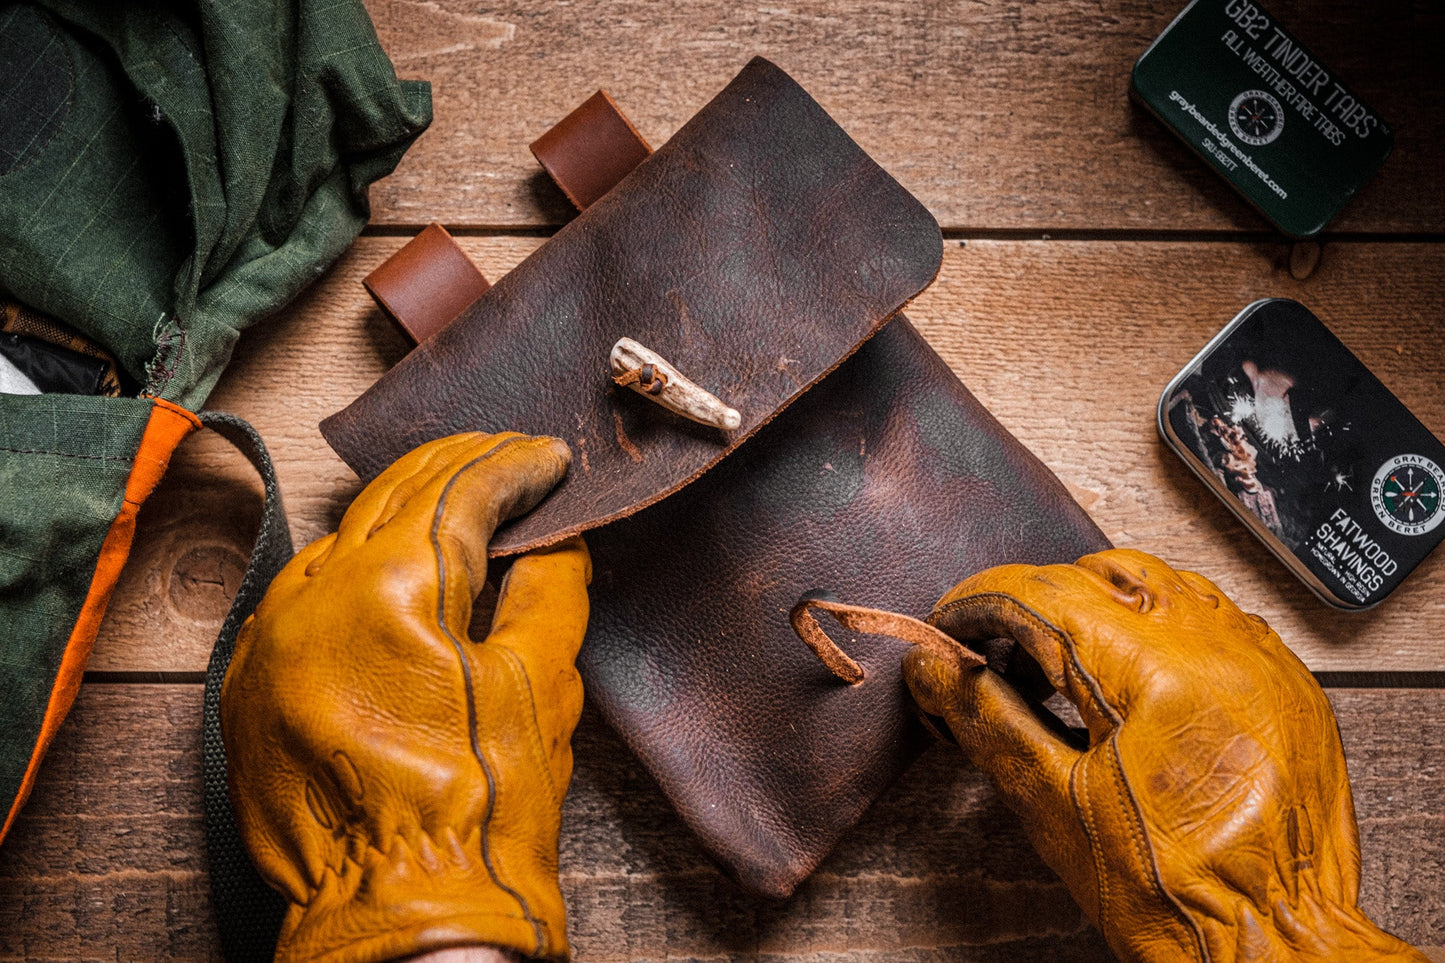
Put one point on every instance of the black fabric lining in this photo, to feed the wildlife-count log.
(53, 369)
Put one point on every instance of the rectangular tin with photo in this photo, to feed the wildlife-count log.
(1279, 125)
(1311, 451)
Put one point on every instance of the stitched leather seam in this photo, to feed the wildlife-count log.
(1139, 833)
(1080, 793)
(468, 685)
(1136, 825)
(540, 751)
(1065, 641)
(1130, 814)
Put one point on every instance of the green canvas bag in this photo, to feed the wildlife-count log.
(169, 174)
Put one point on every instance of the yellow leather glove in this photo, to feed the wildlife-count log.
(398, 782)
(1209, 817)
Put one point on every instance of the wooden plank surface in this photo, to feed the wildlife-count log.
(108, 861)
(1010, 121)
(1068, 343)
(996, 115)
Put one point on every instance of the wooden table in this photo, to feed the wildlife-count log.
(1088, 256)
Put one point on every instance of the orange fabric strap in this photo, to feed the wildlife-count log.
(164, 431)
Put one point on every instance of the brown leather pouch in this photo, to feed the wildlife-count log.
(767, 257)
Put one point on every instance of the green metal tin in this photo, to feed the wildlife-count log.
(1259, 108)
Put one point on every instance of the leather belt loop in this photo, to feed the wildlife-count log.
(430, 281)
(590, 150)
(426, 284)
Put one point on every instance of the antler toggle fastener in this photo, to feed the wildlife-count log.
(646, 372)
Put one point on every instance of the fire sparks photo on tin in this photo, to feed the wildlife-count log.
(1311, 451)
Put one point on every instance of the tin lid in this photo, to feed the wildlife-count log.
(1259, 108)
(1311, 451)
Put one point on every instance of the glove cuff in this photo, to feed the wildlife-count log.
(1352, 937)
(1325, 935)
(425, 894)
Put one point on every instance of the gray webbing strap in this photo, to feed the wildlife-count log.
(248, 912)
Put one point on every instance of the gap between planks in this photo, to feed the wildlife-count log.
(1105, 235)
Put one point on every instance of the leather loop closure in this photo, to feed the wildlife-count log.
(647, 379)
(858, 618)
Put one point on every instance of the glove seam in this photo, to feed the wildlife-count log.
(469, 686)
(1144, 847)
(1130, 813)
(1077, 788)
(1065, 641)
(536, 731)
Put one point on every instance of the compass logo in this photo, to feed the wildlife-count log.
(1256, 117)
(1406, 494)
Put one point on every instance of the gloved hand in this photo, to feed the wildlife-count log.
(398, 782)
(1209, 818)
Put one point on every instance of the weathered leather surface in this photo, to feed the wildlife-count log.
(754, 251)
(397, 779)
(884, 484)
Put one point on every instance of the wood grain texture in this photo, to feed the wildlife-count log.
(1003, 118)
(993, 114)
(1068, 343)
(108, 859)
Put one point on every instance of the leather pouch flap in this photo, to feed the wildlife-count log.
(755, 251)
